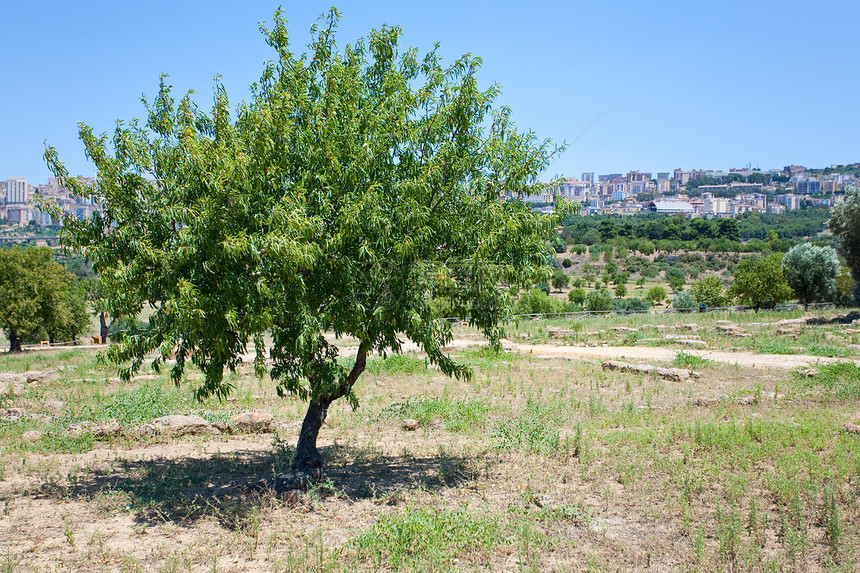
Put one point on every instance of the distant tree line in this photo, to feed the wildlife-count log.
(763, 231)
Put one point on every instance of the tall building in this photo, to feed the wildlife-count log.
(588, 178)
(16, 191)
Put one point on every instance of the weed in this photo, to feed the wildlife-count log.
(690, 361)
(839, 378)
(528, 432)
(828, 350)
(401, 364)
(729, 528)
(773, 346)
(699, 544)
(141, 404)
(69, 533)
(459, 416)
(430, 536)
(832, 524)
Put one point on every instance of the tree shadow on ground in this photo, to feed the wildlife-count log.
(220, 486)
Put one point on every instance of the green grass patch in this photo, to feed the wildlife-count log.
(529, 432)
(839, 378)
(773, 346)
(829, 350)
(403, 364)
(427, 539)
(457, 416)
(141, 404)
(686, 360)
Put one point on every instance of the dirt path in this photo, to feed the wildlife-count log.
(637, 353)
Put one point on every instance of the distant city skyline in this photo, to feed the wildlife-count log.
(631, 86)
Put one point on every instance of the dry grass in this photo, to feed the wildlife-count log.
(533, 465)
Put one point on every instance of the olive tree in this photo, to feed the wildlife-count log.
(844, 223)
(39, 298)
(760, 281)
(354, 186)
(811, 271)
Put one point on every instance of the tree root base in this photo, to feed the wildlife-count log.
(290, 481)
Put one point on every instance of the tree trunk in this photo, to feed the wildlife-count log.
(103, 331)
(308, 460)
(14, 342)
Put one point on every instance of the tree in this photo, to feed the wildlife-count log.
(560, 280)
(598, 302)
(676, 278)
(844, 223)
(759, 281)
(655, 295)
(351, 190)
(621, 290)
(811, 272)
(709, 292)
(576, 296)
(607, 230)
(38, 298)
(728, 229)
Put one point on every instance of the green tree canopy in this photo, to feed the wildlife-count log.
(760, 280)
(709, 291)
(353, 187)
(559, 280)
(39, 299)
(656, 295)
(811, 272)
(844, 223)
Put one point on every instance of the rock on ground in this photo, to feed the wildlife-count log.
(178, 425)
(673, 374)
(253, 423)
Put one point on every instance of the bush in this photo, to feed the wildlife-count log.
(560, 280)
(683, 301)
(676, 278)
(558, 244)
(567, 263)
(611, 268)
(621, 290)
(630, 305)
(536, 301)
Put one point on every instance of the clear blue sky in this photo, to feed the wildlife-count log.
(707, 85)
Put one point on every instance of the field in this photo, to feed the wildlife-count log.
(544, 461)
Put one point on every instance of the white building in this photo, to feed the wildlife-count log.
(17, 191)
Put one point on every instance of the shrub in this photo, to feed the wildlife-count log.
(567, 263)
(536, 301)
(683, 301)
(676, 278)
(630, 305)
